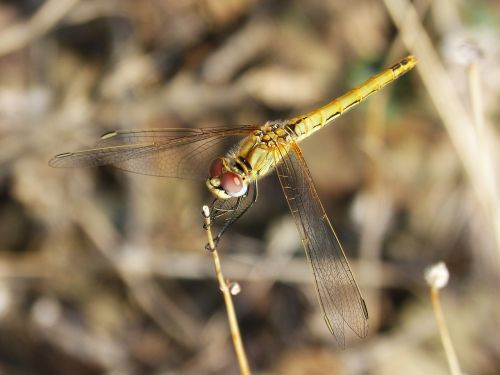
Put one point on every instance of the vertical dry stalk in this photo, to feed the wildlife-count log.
(458, 122)
(476, 98)
(437, 277)
(486, 149)
(228, 300)
(451, 356)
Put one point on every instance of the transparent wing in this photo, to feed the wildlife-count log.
(183, 153)
(338, 292)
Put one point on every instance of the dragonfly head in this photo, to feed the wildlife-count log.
(225, 182)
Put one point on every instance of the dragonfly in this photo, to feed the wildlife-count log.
(253, 152)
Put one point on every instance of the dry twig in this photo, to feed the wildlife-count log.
(437, 278)
(228, 300)
(457, 121)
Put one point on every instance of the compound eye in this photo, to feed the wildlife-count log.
(233, 184)
(216, 168)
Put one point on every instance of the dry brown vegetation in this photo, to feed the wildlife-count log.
(104, 272)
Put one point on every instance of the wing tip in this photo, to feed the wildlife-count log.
(365, 309)
(108, 135)
(339, 337)
(360, 329)
(56, 160)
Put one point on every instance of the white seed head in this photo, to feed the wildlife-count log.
(437, 275)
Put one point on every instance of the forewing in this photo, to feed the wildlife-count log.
(183, 153)
(338, 292)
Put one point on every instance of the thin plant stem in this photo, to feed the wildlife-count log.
(476, 98)
(451, 356)
(457, 121)
(485, 149)
(228, 300)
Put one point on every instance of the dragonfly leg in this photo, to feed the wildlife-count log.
(219, 211)
(230, 219)
(240, 207)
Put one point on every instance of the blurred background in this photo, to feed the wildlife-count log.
(105, 272)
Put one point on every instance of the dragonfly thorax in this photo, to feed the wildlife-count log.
(264, 149)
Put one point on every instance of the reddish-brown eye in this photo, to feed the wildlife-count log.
(233, 184)
(216, 168)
